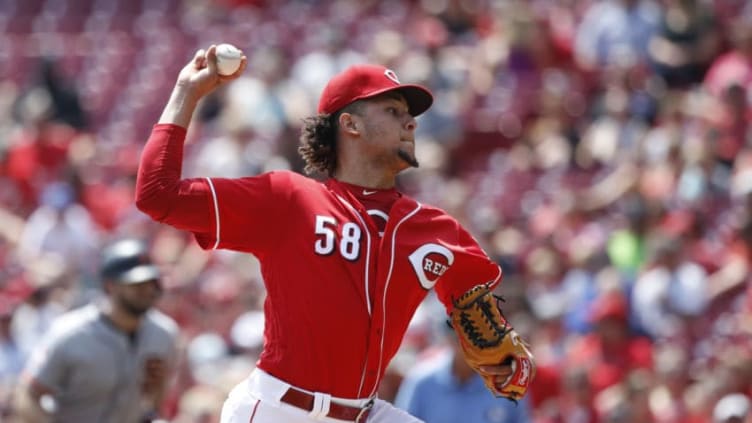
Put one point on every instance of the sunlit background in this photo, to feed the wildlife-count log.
(601, 151)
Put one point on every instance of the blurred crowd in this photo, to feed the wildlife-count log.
(601, 150)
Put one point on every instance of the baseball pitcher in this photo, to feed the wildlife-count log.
(346, 262)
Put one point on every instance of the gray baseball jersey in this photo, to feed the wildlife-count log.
(96, 370)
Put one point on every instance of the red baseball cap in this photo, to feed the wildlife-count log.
(609, 305)
(365, 81)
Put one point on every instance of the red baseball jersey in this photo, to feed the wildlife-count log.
(341, 289)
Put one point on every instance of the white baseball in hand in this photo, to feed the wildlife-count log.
(228, 59)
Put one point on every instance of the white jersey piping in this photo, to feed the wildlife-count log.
(386, 289)
(367, 275)
(216, 213)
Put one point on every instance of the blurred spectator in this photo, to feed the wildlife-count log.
(263, 101)
(543, 271)
(728, 124)
(229, 156)
(670, 293)
(733, 274)
(627, 401)
(61, 226)
(11, 357)
(667, 400)
(733, 67)
(733, 408)
(66, 106)
(447, 390)
(573, 401)
(50, 115)
(616, 131)
(686, 42)
(581, 287)
(34, 316)
(36, 156)
(612, 351)
(107, 361)
(616, 32)
(328, 54)
(627, 245)
(729, 80)
(200, 404)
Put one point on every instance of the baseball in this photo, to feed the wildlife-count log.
(228, 59)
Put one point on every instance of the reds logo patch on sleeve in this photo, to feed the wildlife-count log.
(430, 261)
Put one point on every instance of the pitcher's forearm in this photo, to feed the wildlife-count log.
(180, 107)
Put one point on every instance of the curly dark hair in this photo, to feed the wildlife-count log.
(318, 140)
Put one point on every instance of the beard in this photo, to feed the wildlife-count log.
(133, 308)
(408, 158)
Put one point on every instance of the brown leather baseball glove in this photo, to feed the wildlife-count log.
(487, 339)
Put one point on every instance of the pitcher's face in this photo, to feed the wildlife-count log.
(388, 129)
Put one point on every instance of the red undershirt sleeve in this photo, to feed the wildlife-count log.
(240, 214)
(161, 194)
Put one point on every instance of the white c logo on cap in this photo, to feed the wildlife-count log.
(391, 75)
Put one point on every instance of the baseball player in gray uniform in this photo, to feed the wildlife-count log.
(108, 361)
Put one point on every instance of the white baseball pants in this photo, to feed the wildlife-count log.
(257, 400)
